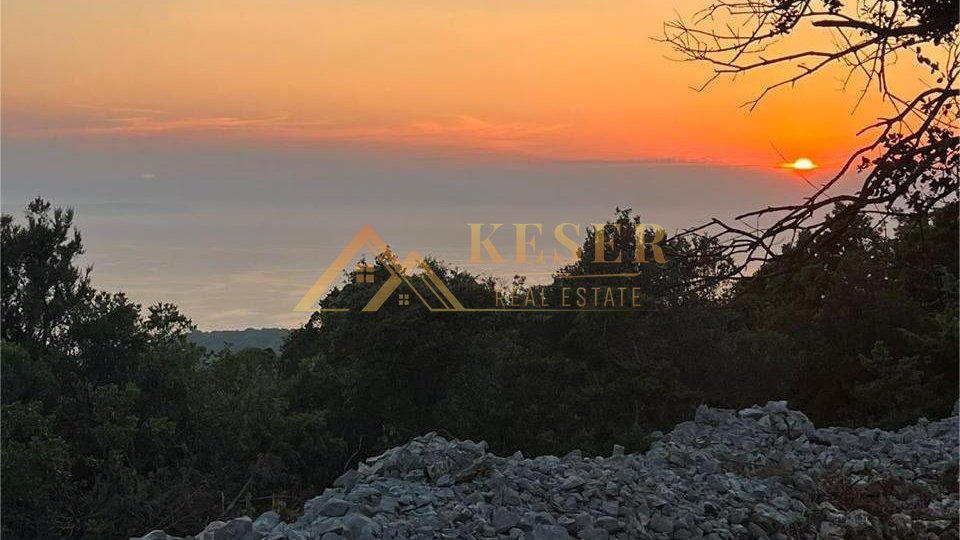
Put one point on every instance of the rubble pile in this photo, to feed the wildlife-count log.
(762, 472)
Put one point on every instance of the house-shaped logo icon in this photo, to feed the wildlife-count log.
(434, 293)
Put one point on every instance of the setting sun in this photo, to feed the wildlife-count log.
(801, 164)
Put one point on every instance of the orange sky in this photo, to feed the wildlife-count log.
(218, 151)
(551, 79)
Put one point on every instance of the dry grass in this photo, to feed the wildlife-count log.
(884, 496)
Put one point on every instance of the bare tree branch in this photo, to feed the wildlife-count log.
(909, 168)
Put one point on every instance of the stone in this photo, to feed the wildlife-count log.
(236, 529)
(756, 531)
(266, 522)
(504, 519)
(593, 533)
(902, 524)
(347, 480)
(157, 535)
(661, 524)
(549, 532)
(804, 483)
(335, 507)
(935, 525)
(857, 520)
(572, 482)
(754, 473)
(770, 517)
(831, 531)
(358, 525)
(609, 523)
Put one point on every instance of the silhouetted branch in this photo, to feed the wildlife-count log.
(911, 164)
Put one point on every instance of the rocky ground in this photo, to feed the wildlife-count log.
(762, 472)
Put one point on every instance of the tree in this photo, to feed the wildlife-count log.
(41, 287)
(864, 316)
(35, 464)
(911, 165)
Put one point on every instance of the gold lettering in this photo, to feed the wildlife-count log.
(523, 242)
(601, 243)
(658, 235)
(567, 242)
(528, 299)
(581, 297)
(476, 243)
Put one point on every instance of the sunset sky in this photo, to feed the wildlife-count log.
(218, 152)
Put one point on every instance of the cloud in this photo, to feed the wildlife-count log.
(457, 131)
(120, 110)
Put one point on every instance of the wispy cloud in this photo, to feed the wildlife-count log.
(119, 110)
(460, 130)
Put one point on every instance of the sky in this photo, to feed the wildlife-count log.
(219, 154)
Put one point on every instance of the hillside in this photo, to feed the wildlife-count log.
(258, 338)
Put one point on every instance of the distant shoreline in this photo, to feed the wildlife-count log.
(259, 338)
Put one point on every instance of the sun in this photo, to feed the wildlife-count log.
(801, 164)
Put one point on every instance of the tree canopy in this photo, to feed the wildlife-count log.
(114, 423)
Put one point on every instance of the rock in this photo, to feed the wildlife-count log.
(936, 526)
(831, 531)
(902, 524)
(756, 531)
(770, 518)
(504, 519)
(347, 480)
(266, 522)
(804, 483)
(661, 524)
(360, 526)
(236, 529)
(752, 413)
(157, 535)
(707, 415)
(857, 521)
(549, 532)
(593, 533)
(572, 482)
(609, 523)
(335, 507)
(762, 472)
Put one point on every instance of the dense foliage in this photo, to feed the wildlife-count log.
(114, 423)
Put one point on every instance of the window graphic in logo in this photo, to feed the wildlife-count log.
(365, 273)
